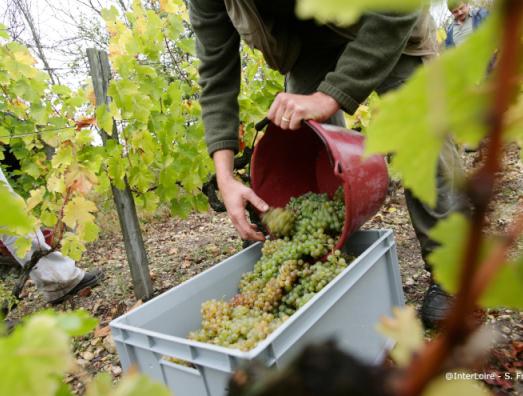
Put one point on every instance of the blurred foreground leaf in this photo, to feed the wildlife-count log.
(404, 328)
(449, 95)
(505, 288)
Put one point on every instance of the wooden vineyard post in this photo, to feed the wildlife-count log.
(136, 256)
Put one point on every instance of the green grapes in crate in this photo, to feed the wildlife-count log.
(287, 275)
(279, 221)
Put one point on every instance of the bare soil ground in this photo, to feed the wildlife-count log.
(179, 249)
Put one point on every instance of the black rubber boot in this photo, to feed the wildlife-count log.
(436, 305)
(90, 279)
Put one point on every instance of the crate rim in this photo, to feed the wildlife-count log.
(262, 345)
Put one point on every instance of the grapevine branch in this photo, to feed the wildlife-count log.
(20, 283)
(175, 62)
(28, 267)
(480, 190)
(59, 226)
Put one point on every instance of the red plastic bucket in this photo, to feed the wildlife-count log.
(320, 158)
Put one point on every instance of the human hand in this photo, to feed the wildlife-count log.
(289, 110)
(235, 196)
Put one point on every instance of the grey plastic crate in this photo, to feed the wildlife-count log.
(346, 310)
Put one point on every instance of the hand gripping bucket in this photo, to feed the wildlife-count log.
(320, 158)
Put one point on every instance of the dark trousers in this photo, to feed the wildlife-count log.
(311, 68)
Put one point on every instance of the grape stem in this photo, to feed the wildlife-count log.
(474, 277)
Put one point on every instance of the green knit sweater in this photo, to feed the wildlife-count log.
(373, 48)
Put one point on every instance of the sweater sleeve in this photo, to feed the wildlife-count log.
(217, 47)
(369, 58)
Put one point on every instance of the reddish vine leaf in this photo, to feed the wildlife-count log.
(85, 122)
(80, 179)
(241, 134)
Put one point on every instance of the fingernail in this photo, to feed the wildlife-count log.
(265, 207)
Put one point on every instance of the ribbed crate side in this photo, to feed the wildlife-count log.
(347, 310)
(162, 314)
(182, 380)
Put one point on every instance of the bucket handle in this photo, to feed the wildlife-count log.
(262, 124)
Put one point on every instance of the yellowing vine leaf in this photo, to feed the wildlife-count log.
(79, 211)
(35, 199)
(23, 56)
(14, 218)
(175, 7)
(80, 179)
(56, 184)
(169, 6)
(72, 246)
(22, 245)
(404, 328)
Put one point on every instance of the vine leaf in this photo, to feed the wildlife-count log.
(80, 179)
(104, 119)
(84, 122)
(79, 211)
(14, 216)
(504, 289)
(72, 246)
(22, 246)
(39, 347)
(404, 328)
(131, 385)
(451, 233)
(36, 197)
(171, 6)
(88, 232)
(442, 98)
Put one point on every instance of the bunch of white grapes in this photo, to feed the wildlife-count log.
(294, 266)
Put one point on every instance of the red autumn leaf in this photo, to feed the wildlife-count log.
(518, 346)
(241, 134)
(84, 122)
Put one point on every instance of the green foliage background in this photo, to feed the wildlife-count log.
(160, 147)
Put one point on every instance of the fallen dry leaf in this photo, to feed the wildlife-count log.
(85, 292)
(102, 331)
(136, 305)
